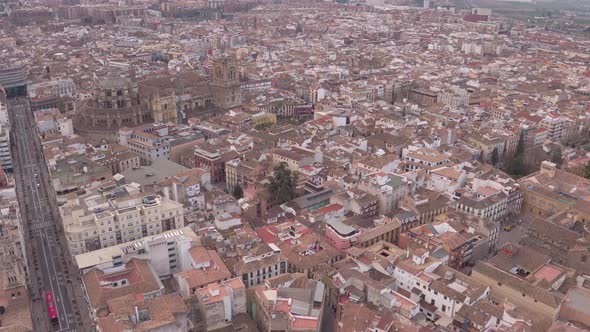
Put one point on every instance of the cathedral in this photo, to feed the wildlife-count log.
(120, 102)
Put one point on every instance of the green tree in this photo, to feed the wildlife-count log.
(238, 192)
(587, 171)
(494, 158)
(515, 164)
(557, 157)
(282, 185)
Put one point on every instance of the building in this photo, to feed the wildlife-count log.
(556, 126)
(5, 154)
(213, 158)
(552, 190)
(135, 278)
(341, 235)
(152, 177)
(93, 221)
(263, 261)
(423, 158)
(14, 293)
(168, 253)
(389, 188)
(75, 172)
(115, 105)
(148, 141)
(296, 158)
(564, 246)
(524, 278)
(14, 79)
(308, 252)
(425, 204)
(161, 96)
(220, 302)
(116, 157)
(289, 304)
(225, 86)
(357, 201)
(206, 268)
(446, 179)
(136, 313)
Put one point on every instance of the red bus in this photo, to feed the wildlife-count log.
(51, 308)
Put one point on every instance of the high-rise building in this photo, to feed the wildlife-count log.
(14, 79)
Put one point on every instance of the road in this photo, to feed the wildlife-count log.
(49, 264)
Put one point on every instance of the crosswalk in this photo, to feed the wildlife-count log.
(40, 225)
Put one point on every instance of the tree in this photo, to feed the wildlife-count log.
(515, 165)
(238, 192)
(557, 157)
(587, 171)
(494, 157)
(282, 185)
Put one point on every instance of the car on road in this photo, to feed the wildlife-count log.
(507, 228)
(36, 175)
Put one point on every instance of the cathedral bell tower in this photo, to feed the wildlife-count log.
(226, 83)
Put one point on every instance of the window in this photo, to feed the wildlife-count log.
(123, 282)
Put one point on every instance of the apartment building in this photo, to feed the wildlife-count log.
(389, 188)
(206, 267)
(93, 222)
(220, 302)
(136, 278)
(423, 158)
(212, 155)
(556, 126)
(263, 261)
(148, 141)
(284, 304)
(5, 155)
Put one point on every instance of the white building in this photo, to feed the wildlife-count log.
(147, 142)
(437, 286)
(168, 253)
(556, 126)
(446, 179)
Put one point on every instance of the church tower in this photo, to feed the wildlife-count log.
(226, 83)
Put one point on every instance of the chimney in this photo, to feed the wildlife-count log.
(136, 315)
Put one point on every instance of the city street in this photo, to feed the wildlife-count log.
(49, 266)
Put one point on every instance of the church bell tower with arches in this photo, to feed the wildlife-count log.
(226, 83)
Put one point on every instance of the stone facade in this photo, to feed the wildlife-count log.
(226, 83)
(115, 105)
